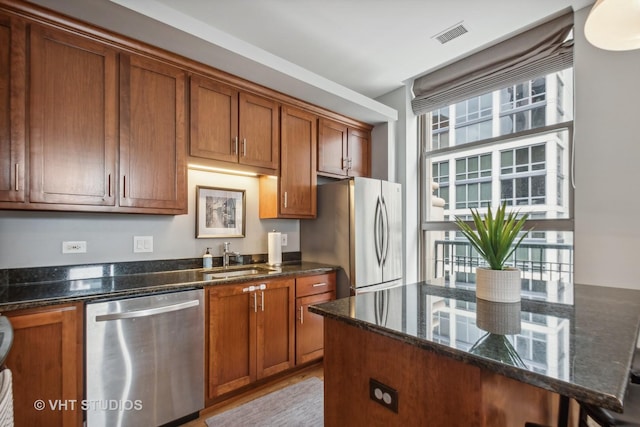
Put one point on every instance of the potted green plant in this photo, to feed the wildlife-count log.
(495, 238)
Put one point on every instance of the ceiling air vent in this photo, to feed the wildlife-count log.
(450, 33)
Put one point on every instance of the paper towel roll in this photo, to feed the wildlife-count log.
(275, 248)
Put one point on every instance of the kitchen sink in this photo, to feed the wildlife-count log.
(227, 274)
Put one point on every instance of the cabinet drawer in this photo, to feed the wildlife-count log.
(311, 285)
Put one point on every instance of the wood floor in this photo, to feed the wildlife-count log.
(312, 371)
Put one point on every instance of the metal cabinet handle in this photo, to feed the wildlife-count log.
(317, 285)
(17, 176)
(147, 312)
(285, 199)
(109, 185)
(244, 147)
(124, 186)
(386, 231)
(235, 145)
(262, 296)
(255, 303)
(377, 239)
(301, 315)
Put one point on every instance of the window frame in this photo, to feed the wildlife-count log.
(426, 226)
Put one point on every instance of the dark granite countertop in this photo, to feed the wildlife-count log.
(583, 351)
(88, 287)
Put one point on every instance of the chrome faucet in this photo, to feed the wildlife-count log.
(228, 253)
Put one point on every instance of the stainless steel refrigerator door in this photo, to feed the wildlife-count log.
(366, 229)
(392, 211)
(145, 359)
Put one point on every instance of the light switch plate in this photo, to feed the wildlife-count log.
(284, 239)
(142, 243)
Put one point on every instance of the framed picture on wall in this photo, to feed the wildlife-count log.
(220, 212)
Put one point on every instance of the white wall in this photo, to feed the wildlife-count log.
(30, 239)
(607, 129)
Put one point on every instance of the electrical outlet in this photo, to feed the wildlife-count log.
(284, 239)
(142, 243)
(383, 394)
(76, 247)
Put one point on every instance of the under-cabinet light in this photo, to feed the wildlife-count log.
(194, 166)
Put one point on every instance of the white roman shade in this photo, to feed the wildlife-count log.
(541, 50)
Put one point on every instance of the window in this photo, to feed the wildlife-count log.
(523, 106)
(440, 128)
(523, 175)
(508, 146)
(560, 173)
(473, 181)
(474, 119)
(441, 177)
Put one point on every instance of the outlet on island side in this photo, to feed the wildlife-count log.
(383, 394)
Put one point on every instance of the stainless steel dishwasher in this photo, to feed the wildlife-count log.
(144, 359)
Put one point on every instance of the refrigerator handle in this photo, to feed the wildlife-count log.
(386, 231)
(376, 231)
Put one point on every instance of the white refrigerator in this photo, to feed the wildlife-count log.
(359, 228)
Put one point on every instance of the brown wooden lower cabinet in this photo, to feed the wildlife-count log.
(250, 333)
(432, 390)
(309, 326)
(46, 364)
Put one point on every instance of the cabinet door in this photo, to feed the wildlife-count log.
(332, 147)
(258, 131)
(214, 120)
(12, 111)
(297, 192)
(275, 332)
(46, 365)
(152, 135)
(72, 119)
(232, 344)
(310, 328)
(359, 153)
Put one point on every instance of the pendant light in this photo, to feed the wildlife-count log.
(614, 25)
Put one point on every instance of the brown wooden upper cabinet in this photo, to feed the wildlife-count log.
(293, 193)
(152, 135)
(233, 126)
(72, 119)
(343, 150)
(102, 130)
(12, 102)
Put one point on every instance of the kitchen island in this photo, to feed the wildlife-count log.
(432, 355)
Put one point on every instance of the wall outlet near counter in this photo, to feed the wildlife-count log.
(284, 239)
(142, 243)
(75, 247)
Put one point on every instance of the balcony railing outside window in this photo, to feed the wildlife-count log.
(547, 268)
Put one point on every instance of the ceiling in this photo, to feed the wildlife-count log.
(340, 54)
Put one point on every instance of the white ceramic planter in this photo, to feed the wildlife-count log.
(498, 285)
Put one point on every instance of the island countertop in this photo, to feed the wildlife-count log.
(582, 351)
